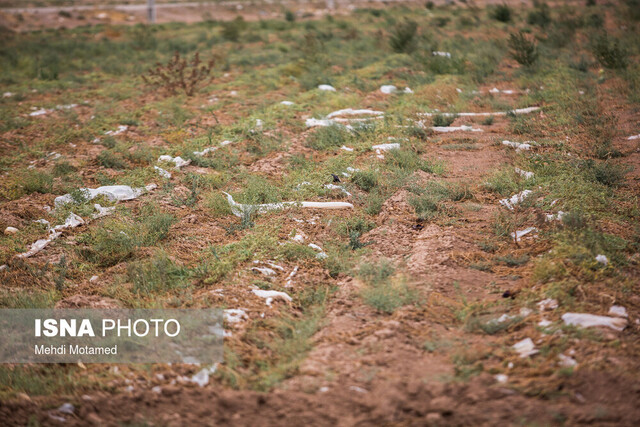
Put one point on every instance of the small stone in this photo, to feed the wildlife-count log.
(93, 279)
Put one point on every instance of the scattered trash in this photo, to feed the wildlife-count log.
(211, 149)
(111, 192)
(10, 230)
(337, 187)
(407, 90)
(495, 113)
(178, 161)
(523, 173)
(321, 254)
(264, 270)
(58, 418)
(345, 148)
(515, 199)
(3, 267)
(632, 137)
(524, 312)
(102, 211)
(121, 129)
(235, 315)
(521, 233)
(93, 279)
(386, 147)
(388, 89)
(290, 277)
(66, 408)
(202, 377)
(352, 112)
(438, 53)
(602, 259)
(157, 389)
(585, 320)
(525, 348)
(349, 171)
(358, 389)
(163, 173)
(544, 323)
(72, 221)
(567, 361)
(287, 103)
(327, 88)
(555, 217)
(270, 296)
(239, 209)
(618, 311)
(547, 304)
(519, 146)
(501, 378)
(505, 91)
(464, 128)
(7, 95)
(40, 112)
(310, 123)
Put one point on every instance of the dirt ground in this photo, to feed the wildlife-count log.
(365, 368)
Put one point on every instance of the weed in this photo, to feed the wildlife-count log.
(429, 200)
(443, 120)
(110, 160)
(366, 180)
(403, 36)
(381, 292)
(289, 16)
(541, 16)
(488, 121)
(63, 168)
(607, 173)
(501, 13)
(330, 137)
(157, 275)
(513, 261)
(376, 274)
(522, 49)
(231, 30)
(179, 74)
(388, 297)
(609, 53)
(61, 276)
(37, 182)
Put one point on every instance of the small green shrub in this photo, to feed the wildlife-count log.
(608, 173)
(541, 16)
(403, 36)
(157, 275)
(289, 16)
(443, 120)
(501, 13)
(609, 53)
(382, 293)
(329, 137)
(110, 160)
(523, 50)
(37, 182)
(366, 180)
(231, 30)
